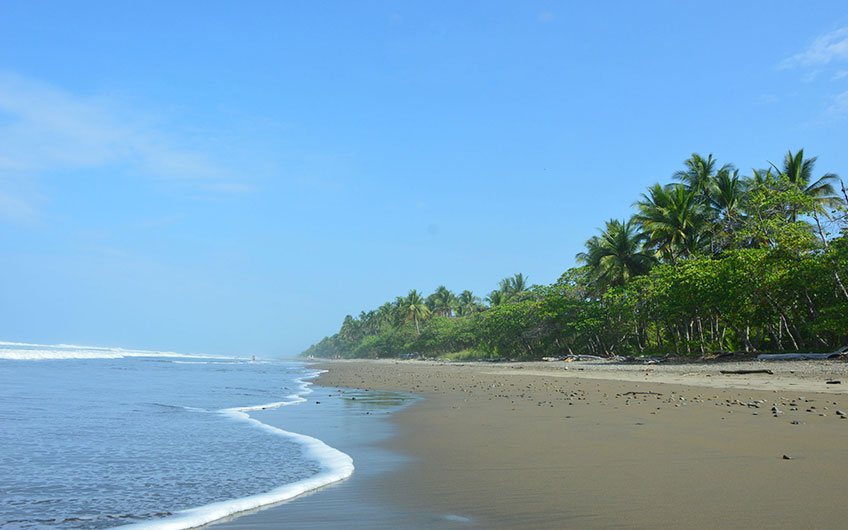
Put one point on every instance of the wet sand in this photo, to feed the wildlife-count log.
(588, 445)
(538, 446)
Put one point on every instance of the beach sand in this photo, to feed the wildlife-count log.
(593, 445)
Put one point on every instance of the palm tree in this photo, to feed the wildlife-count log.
(799, 171)
(517, 284)
(399, 311)
(351, 329)
(513, 287)
(416, 308)
(616, 255)
(672, 220)
(726, 202)
(760, 177)
(442, 301)
(699, 174)
(467, 303)
(496, 297)
(369, 321)
(385, 314)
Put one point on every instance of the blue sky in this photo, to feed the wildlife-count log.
(236, 177)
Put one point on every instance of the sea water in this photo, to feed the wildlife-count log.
(105, 437)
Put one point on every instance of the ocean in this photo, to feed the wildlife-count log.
(107, 437)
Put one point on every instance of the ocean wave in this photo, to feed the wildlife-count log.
(334, 464)
(23, 351)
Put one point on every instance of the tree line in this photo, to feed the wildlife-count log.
(714, 261)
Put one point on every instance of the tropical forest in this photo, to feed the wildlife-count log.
(715, 261)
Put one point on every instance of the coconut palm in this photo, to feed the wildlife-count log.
(442, 301)
(616, 255)
(351, 329)
(467, 303)
(799, 171)
(386, 314)
(399, 314)
(726, 204)
(517, 284)
(369, 321)
(416, 308)
(760, 177)
(495, 298)
(727, 194)
(513, 287)
(699, 174)
(673, 220)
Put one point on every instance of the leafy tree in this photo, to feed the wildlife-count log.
(722, 263)
(772, 217)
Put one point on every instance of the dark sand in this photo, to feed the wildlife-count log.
(538, 446)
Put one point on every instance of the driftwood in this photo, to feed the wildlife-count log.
(797, 356)
(641, 394)
(743, 372)
(571, 358)
(802, 356)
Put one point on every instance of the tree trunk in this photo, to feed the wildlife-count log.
(820, 229)
(776, 336)
(789, 332)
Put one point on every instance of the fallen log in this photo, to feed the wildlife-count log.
(743, 372)
(641, 394)
(802, 356)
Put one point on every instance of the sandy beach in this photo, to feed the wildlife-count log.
(556, 445)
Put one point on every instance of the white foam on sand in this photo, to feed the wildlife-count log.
(335, 466)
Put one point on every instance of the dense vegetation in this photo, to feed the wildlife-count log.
(711, 262)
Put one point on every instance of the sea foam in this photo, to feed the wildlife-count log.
(328, 465)
(23, 351)
(334, 467)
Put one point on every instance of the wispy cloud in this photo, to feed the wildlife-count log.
(16, 208)
(44, 128)
(546, 16)
(822, 60)
(839, 105)
(827, 48)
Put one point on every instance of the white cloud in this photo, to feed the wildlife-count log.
(44, 128)
(16, 208)
(840, 104)
(841, 74)
(827, 48)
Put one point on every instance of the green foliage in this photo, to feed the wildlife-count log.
(616, 255)
(715, 262)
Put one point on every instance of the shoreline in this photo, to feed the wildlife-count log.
(548, 445)
(356, 423)
(333, 466)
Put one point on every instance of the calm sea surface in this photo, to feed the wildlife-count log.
(99, 437)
